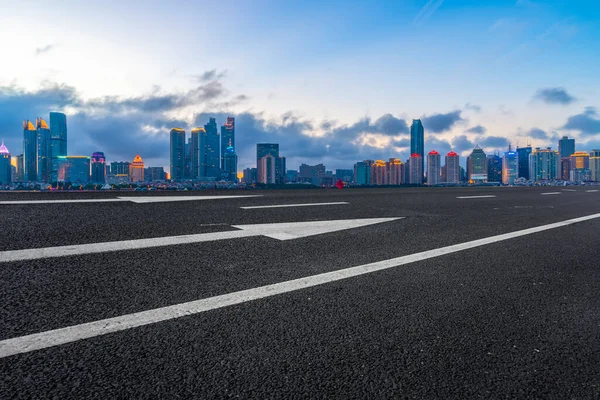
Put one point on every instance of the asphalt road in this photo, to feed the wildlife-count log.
(515, 318)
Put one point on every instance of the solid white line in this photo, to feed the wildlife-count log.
(476, 197)
(591, 191)
(296, 205)
(549, 193)
(133, 199)
(60, 201)
(42, 340)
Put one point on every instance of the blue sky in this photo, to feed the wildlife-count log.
(331, 81)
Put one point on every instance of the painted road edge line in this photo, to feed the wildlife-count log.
(550, 193)
(476, 197)
(56, 337)
(296, 205)
(132, 199)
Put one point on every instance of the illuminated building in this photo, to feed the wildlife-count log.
(523, 156)
(415, 165)
(378, 171)
(250, 176)
(565, 168)
(266, 169)
(75, 169)
(580, 160)
(195, 171)
(230, 164)
(262, 149)
(44, 151)
(417, 145)
(495, 168)
(29, 152)
(362, 173)
(210, 157)
(566, 147)
(227, 139)
(581, 175)
(394, 172)
(120, 168)
(98, 168)
(544, 164)
(477, 166)
(434, 173)
(17, 168)
(136, 169)
(510, 167)
(177, 154)
(5, 165)
(595, 165)
(58, 140)
(452, 168)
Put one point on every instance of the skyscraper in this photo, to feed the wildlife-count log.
(58, 140)
(177, 154)
(75, 169)
(580, 167)
(415, 165)
(210, 157)
(510, 167)
(434, 168)
(566, 147)
(262, 149)
(378, 171)
(29, 152)
(5, 165)
(565, 168)
(417, 144)
(394, 172)
(98, 168)
(595, 165)
(544, 164)
(266, 169)
(495, 168)
(362, 173)
(136, 170)
(477, 166)
(227, 139)
(195, 171)
(44, 151)
(523, 156)
(230, 164)
(452, 167)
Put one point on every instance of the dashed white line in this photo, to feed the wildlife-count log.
(549, 193)
(569, 190)
(296, 205)
(42, 340)
(591, 191)
(476, 197)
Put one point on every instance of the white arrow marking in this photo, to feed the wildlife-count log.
(334, 203)
(136, 199)
(281, 231)
(56, 337)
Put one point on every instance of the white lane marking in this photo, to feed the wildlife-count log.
(280, 231)
(549, 193)
(296, 205)
(569, 190)
(591, 191)
(136, 199)
(476, 197)
(55, 337)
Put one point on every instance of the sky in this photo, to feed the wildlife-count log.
(332, 82)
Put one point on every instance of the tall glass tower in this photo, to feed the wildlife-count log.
(5, 166)
(177, 154)
(227, 138)
(210, 156)
(417, 142)
(29, 152)
(523, 156)
(44, 151)
(566, 147)
(195, 171)
(58, 141)
(98, 167)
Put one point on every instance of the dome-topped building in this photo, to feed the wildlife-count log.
(136, 169)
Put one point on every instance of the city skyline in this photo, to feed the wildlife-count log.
(513, 83)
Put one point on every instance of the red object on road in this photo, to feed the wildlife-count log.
(339, 184)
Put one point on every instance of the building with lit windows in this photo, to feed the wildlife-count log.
(58, 140)
(177, 154)
(580, 160)
(417, 145)
(5, 165)
(544, 164)
(523, 156)
(394, 172)
(452, 167)
(227, 139)
(136, 169)
(120, 168)
(230, 165)
(155, 174)
(210, 156)
(98, 168)
(415, 165)
(434, 172)
(195, 171)
(266, 169)
(17, 168)
(378, 173)
(74, 169)
(44, 151)
(595, 165)
(29, 152)
(565, 168)
(495, 168)
(510, 167)
(566, 147)
(477, 166)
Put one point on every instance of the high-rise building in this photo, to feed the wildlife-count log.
(477, 166)
(136, 170)
(580, 160)
(595, 165)
(188, 159)
(415, 164)
(44, 151)
(452, 168)
(394, 172)
(5, 165)
(120, 168)
(417, 144)
(98, 168)
(262, 149)
(308, 172)
(154, 174)
(266, 169)
(523, 156)
(75, 169)
(195, 170)
(177, 154)
(346, 175)
(378, 171)
(230, 164)
(495, 168)
(434, 173)
(565, 168)
(210, 156)
(510, 167)
(17, 168)
(250, 176)
(29, 152)
(581, 175)
(227, 139)
(362, 173)
(280, 168)
(58, 141)
(544, 164)
(566, 147)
